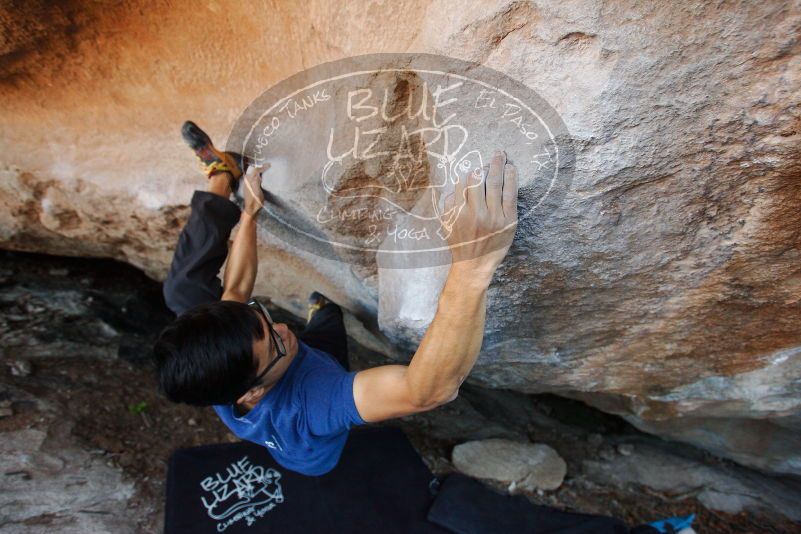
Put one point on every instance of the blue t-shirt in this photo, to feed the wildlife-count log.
(304, 419)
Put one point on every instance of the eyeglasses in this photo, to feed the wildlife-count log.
(278, 343)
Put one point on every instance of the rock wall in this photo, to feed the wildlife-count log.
(667, 286)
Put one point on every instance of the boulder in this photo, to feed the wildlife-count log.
(663, 286)
(524, 466)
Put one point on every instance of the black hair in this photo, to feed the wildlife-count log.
(205, 356)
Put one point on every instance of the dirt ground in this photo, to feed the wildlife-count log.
(100, 391)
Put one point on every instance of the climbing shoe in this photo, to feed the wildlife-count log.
(212, 161)
(316, 301)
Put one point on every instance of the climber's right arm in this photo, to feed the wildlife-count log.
(479, 241)
(243, 264)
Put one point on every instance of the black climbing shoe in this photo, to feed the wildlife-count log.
(212, 161)
(316, 301)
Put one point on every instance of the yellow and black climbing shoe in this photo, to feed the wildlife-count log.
(316, 301)
(212, 161)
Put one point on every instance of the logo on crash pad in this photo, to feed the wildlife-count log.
(244, 491)
(364, 150)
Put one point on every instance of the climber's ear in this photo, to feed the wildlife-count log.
(251, 396)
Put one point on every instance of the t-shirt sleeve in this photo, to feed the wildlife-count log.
(327, 395)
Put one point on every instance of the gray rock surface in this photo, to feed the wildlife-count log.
(526, 466)
(718, 487)
(50, 482)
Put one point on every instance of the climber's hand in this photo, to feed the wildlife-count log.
(483, 231)
(254, 195)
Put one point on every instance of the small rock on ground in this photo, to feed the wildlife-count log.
(525, 466)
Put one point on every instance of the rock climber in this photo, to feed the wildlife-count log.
(291, 392)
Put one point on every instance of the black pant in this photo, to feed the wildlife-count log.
(200, 253)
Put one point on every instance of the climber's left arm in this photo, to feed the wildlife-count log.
(242, 264)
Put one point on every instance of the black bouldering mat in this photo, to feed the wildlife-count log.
(465, 506)
(380, 485)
